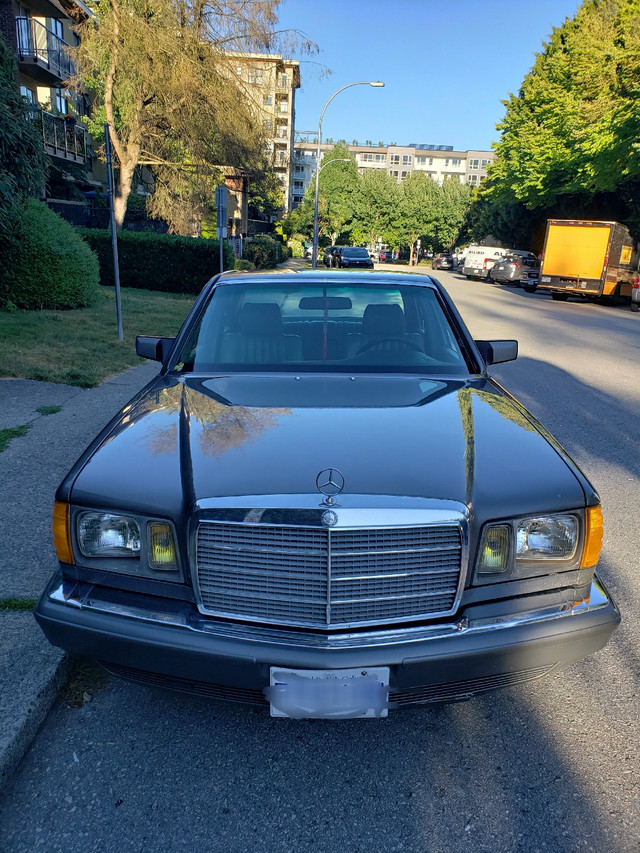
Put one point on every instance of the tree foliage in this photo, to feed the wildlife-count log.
(570, 138)
(338, 183)
(375, 207)
(23, 162)
(164, 78)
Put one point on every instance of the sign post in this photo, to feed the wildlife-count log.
(114, 239)
(221, 213)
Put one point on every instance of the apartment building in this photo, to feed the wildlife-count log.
(400, 161)
(270, 84)
(41, 34)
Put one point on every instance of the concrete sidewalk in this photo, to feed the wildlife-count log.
(31, 671)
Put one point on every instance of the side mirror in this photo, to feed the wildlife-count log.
(495, 352)
(157, 349)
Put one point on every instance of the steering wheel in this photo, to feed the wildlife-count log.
(406, 344)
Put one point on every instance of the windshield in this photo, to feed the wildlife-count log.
(322, 327)
(354, 253)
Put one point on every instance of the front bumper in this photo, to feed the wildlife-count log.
(168, 643)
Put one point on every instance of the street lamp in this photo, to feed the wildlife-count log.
(376, 84)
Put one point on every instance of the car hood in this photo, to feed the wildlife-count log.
(188, 439)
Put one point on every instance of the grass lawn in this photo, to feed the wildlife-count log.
(81, 347)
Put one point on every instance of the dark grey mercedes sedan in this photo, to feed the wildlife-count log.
(325, 506)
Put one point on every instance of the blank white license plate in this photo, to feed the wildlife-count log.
(328, 694)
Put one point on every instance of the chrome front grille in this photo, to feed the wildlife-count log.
(327, 578)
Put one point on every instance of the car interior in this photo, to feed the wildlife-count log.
(323, 328)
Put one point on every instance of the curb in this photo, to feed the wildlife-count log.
(28, 690)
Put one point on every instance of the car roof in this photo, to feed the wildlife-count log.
(364, 278)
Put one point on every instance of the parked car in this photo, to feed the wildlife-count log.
(460, 265)
(386, 256)
(330, 253)
(323, 505)
(518, 267)
(443, 261)
(353, 257)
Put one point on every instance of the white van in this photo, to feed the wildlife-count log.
(479, 260)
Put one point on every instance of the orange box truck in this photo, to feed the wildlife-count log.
(587, 258)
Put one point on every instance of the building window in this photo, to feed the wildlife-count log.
(395, 160)
(431, 161)
(368, 158)
(298, 169)
(298, 185)
(406, 159)
(404, 175)
(283, 81)
(421, 161)
(268, 124)
(28, 94)
(472, 179)
(474, 164)
(455, 162)
(61, 102)
(393, 174)
(381, 158)
(485, 163)
(254, 75)
(267, 100)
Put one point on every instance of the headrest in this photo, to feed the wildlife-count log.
(383, 320)
(260, 318)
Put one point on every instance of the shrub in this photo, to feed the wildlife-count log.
(243, 264)
(296, 248)
(163, 262)
(47, 264)
(263, 251)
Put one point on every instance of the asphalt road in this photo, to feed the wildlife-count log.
(550, 766)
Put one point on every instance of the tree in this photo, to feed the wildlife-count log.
(338, 183)
(419, 210)
(571, 131)
(375, 206)
(165, 80)
(23, 162)
(454, 202)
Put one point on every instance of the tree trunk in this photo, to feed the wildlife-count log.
(125, 179)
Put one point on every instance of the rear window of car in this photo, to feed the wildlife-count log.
(354, 252)
(334, 328)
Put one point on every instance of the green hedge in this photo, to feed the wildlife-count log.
(46, 265)
(162, 262)
(263, 251)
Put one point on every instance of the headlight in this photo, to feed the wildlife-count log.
(102, 534)
(124, 544)
(547, 538)
(538, 545)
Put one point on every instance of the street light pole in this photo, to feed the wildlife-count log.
(375, 83)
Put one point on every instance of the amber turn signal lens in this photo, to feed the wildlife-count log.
(61, 532)
(592, 537)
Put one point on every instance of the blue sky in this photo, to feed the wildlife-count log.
(446, 65)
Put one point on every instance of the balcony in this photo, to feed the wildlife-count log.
(46, 54)
(62, 138)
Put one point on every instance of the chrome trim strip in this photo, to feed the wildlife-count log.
(74, 598)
